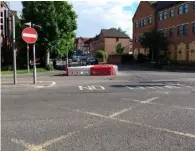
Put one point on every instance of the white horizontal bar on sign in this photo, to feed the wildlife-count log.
(29, 35)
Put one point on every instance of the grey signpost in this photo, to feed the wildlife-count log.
(14, 50)
(30, 36)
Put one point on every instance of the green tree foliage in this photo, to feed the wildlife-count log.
(101, 54)
(58, 22)
(120, 49)
(156, 42)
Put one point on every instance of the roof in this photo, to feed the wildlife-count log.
(164, 4)
(113, 33)
(82, 38)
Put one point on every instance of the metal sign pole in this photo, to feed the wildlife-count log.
(28, 68)
(34, 64)
(14, 50)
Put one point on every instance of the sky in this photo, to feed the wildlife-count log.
(94, 15)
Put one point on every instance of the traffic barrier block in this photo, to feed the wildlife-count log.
(79, 71)
(102, 70)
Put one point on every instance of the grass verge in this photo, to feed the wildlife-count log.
(23, 71)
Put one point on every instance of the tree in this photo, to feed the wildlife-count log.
(155, 41)
(120, 49)
(119, 29)
(58, 22)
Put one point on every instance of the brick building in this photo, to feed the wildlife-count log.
(176, 19)
(107, 40)
(6, 32)
(81, 45)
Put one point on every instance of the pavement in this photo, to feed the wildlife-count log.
(134, 111)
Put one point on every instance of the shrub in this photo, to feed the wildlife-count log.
(101, 54)
(127, 58)
(141, 58)
(49, 67)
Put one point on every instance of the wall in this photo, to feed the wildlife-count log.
(176, 41)
(111, 43)
(144, 10)
(114, 59)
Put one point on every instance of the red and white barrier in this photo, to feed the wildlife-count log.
(92, 70)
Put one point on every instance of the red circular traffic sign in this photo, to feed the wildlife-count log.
(29, 35)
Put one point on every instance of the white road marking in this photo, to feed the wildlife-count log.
(92, 87)
(29, 35)
(149, 100)
(151, 87)
(126, 99)
(139, 124)
(158, 87)
(120, 112)
(129, 87)
(141, 87)
(171, 86)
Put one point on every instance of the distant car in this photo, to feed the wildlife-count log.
(91, 61)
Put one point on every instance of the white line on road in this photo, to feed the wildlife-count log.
(149, 100)
(139, 124)
(120, 112)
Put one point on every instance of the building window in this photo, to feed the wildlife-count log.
(150, 20)
(136, 24)
(185, 8)
(1, 14)
(171, 12)
(165, 15)
(160, 15)
(136, 39)
(2, 27)
(185, 29)
(193, 27)
(1, 20)
(165, 32)
(117, 39)
(194, 5)
(179, 30)
(144, 21)
(140, 36)
(180, 10)
(171, 32)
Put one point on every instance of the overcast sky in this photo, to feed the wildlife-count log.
(94, 15)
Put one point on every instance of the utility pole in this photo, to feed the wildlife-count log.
(14, 50)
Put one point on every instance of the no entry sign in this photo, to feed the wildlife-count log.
(29, 35)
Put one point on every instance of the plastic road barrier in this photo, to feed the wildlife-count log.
(78, 71)
(102, 70)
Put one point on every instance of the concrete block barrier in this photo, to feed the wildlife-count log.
(92, 70)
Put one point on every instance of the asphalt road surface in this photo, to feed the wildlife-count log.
(135, 111)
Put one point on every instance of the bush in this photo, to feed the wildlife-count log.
(127, 58)
(101, 54)
(141, 58)
(49, 67)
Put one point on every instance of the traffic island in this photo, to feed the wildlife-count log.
(28, 84)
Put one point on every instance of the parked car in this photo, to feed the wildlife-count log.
(91, 61)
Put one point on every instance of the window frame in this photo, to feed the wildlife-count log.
(160, 16)
(172, 11)
(150, 20)
(193, 27)
(185, 31)
(144, 21)
(181, 6)
(184, 9)
(193, 5)
(164, 15)
(171, 32)
(178, 31)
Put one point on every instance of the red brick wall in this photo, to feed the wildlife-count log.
(114, 59)
(144, 10)
(178, 20)
(111, 43)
